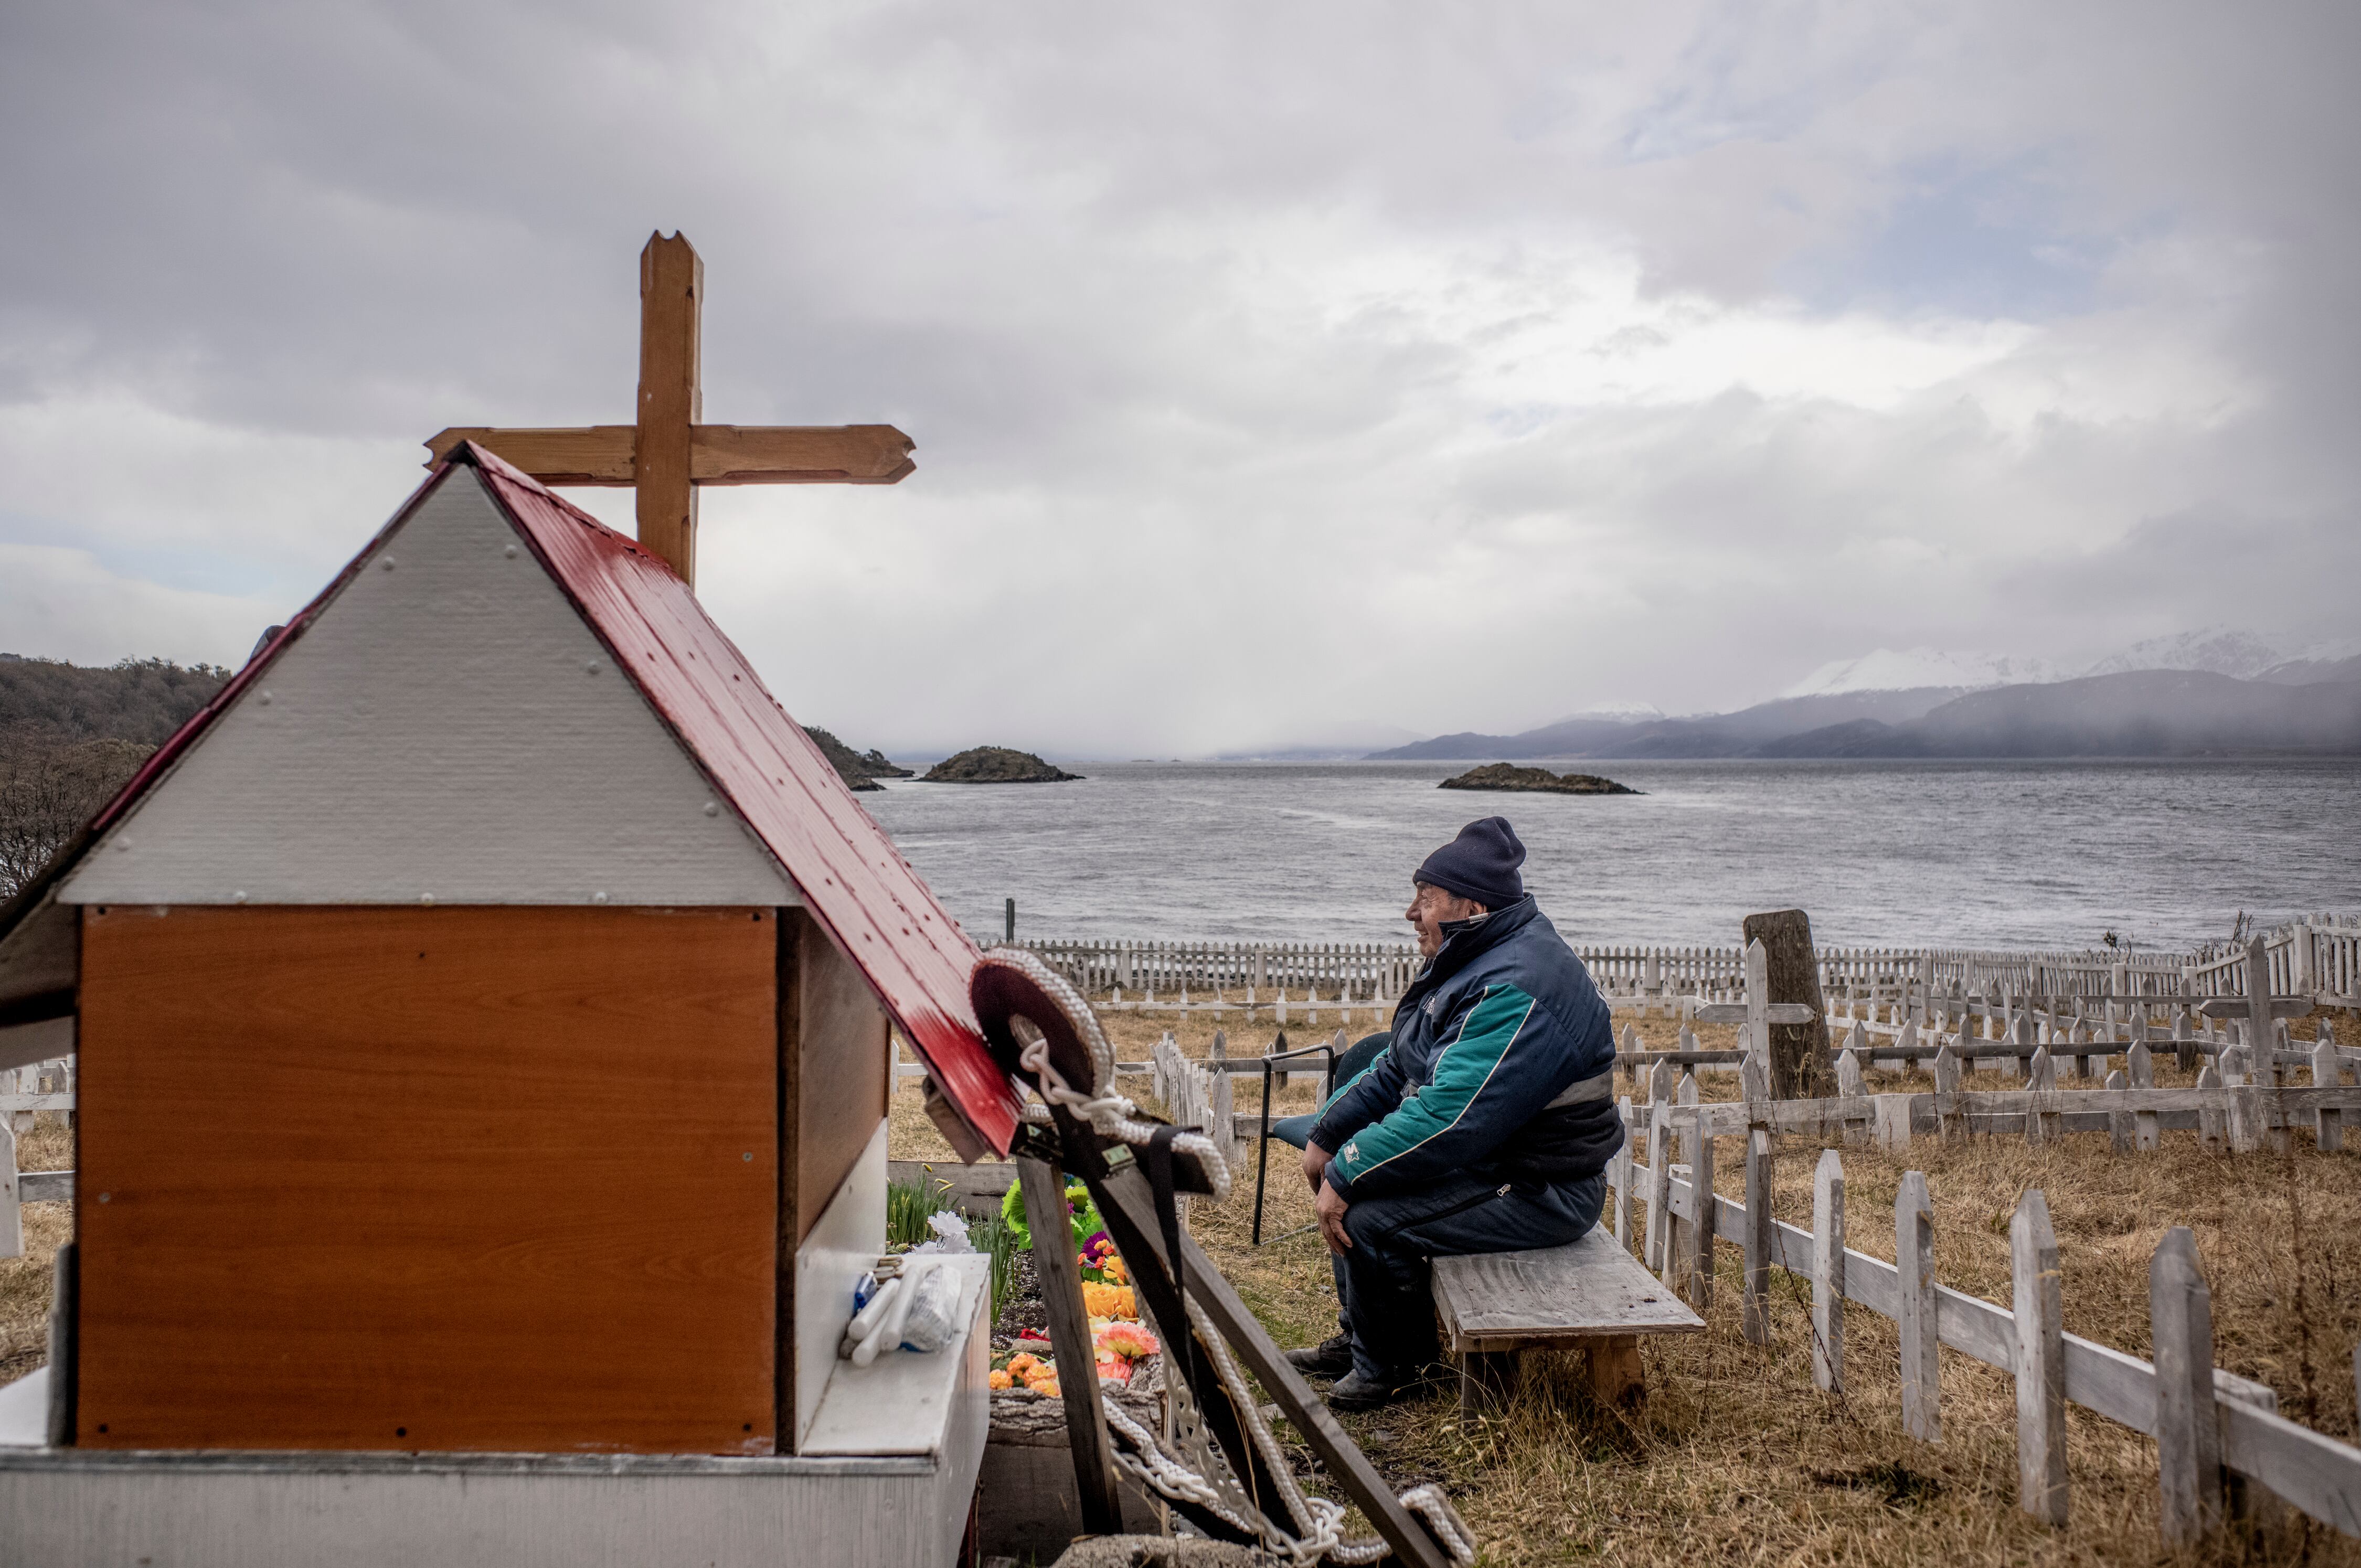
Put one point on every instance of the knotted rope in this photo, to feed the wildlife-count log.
(1319, 1521)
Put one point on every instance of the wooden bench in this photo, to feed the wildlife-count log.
(1591, 1293)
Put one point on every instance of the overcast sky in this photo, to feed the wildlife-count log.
(1278, 372)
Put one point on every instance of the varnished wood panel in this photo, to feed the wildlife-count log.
(428, 1178)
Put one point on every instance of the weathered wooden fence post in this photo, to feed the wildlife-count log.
(2238, 1072)
(12, 1216)
(2210, 1118)
(2040, 1307)
(1948, 1123)
(1855, 1094)
(1679, 1242)
(2119, 1122)
(1701, 1207)
(1754, 1297)
(1827, 1272)
(2143, 1076)
(2041, 1125)
(2327, 1072)
(1914, 1254)
(1660, 1182)
(2248, 1502)
(1044, 1186)
(1622, 1175)
(2188, 1433)
(1890, 1122)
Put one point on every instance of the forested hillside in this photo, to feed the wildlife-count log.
(70, 735)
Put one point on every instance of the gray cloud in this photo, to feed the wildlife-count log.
(1264, 365)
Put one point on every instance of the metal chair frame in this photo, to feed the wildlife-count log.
(1326, 1050)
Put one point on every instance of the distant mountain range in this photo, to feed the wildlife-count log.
(2204, 693)
(2216, 649)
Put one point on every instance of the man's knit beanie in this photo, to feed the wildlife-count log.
(1481, 864)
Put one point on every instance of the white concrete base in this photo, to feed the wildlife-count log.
(69, 1509)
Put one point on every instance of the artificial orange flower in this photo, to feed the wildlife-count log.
(1125, 1339)
(1001, 1380)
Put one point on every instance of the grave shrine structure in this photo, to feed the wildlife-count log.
(482, 1017)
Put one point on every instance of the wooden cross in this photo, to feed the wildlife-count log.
(2258, 1006)
(1758, 1012)
(668, 454)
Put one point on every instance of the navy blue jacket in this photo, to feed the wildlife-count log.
(1501, 1021)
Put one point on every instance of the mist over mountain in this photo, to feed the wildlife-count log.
(1715, 735)
(1917, 668)
(2213, 691)
(2139, 713)
(2216, 649)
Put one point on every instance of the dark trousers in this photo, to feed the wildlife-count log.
(1382, 1281)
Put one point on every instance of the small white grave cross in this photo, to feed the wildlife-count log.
(1758, 1012)
(2258, 1007)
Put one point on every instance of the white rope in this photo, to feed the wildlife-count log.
(1320, 1520)
(1109, 1114)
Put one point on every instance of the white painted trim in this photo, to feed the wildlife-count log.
(448, 729)
(844, 1244)
(904, 1402)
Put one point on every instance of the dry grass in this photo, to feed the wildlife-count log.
(1736, 1457)
(25, 1282)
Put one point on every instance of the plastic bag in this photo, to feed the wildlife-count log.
(932, 1321)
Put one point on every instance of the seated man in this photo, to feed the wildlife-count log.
(1485, 1126)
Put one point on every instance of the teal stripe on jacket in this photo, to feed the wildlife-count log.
(1422, 1128)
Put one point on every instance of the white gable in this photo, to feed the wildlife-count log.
(446, 729)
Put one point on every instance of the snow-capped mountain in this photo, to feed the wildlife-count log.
(1907, 669)
(2219, 650)
(2215, 650)
(1622, 710)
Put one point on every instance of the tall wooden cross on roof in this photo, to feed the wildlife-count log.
(669, 452)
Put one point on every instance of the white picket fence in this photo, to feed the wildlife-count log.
(2210, 1425)
(2318, 957)
(23, 1093)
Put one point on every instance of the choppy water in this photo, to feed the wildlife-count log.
(1985, 854)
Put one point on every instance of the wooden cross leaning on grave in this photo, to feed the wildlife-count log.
(2258, 1009)
(1758, 1012)
(668, 455)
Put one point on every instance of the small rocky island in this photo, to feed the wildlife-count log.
(859, 770)
(1502, 775)
(995, 764)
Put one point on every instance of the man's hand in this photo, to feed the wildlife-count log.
(1315, 1164)
(1332, 1208)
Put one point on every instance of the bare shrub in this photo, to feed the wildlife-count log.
(50, 792)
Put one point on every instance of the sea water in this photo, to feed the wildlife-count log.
(2034, 854)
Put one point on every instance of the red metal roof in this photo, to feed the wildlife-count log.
(854, 881)
(872, 902)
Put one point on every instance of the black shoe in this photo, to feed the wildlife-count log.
(1355, 1392)
(1332, 1357)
